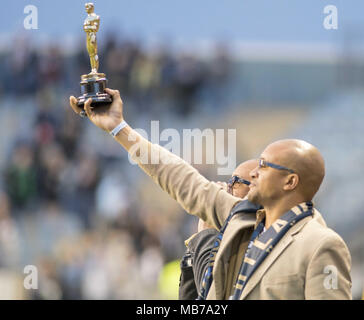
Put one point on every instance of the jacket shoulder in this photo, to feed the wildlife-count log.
(316, 236)
(316, 239)
(319, 232)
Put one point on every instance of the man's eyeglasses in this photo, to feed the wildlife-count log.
(236, 179)
(263, 164)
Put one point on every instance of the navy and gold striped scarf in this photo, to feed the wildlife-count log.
(262, 245)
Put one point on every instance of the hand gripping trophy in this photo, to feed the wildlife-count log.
(94, 83)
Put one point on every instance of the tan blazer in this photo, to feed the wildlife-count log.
(311, 261)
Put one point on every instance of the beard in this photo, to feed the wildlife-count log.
(253, 197)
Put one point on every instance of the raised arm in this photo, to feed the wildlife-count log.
(181, 181)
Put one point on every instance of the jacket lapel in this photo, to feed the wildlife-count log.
(236, 225)
(276, 252)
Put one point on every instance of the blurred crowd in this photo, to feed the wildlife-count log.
(151, 78)
(80, 214)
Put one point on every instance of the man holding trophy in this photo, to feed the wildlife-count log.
(279, 252)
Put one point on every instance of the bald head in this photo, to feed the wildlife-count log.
(243, 169)
(305, 159)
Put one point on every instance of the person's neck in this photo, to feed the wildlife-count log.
(276, 209)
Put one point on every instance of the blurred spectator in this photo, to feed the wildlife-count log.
(69, 133)
(220, 70)
(22, 68)
(50, 67)
(189, 79)
(48, 282)
(50, 168)
(144, 79)
(86, 179)
(9, 235)
(52, 224)
(20, 176)
(111, 197)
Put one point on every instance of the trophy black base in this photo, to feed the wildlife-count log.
(93, 86)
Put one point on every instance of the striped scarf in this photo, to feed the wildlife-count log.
(260, 248)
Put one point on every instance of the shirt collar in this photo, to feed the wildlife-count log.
(261, 213)
(259, 217)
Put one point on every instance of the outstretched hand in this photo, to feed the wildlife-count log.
(223, 185)
(106, 117)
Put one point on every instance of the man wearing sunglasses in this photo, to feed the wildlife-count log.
(293, 254)
(199, 245)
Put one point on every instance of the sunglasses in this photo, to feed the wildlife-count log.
(264, 164)
(236, 179)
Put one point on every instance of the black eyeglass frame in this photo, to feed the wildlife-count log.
(236, 179)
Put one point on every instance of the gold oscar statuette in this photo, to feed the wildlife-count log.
(94, 83)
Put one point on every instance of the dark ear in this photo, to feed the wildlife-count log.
(291, 181)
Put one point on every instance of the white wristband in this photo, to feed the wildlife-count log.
(118, 128)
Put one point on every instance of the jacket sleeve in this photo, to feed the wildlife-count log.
(200, 247)
(328, 273)
(187, 287)
(194, 263)
(196, 194)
